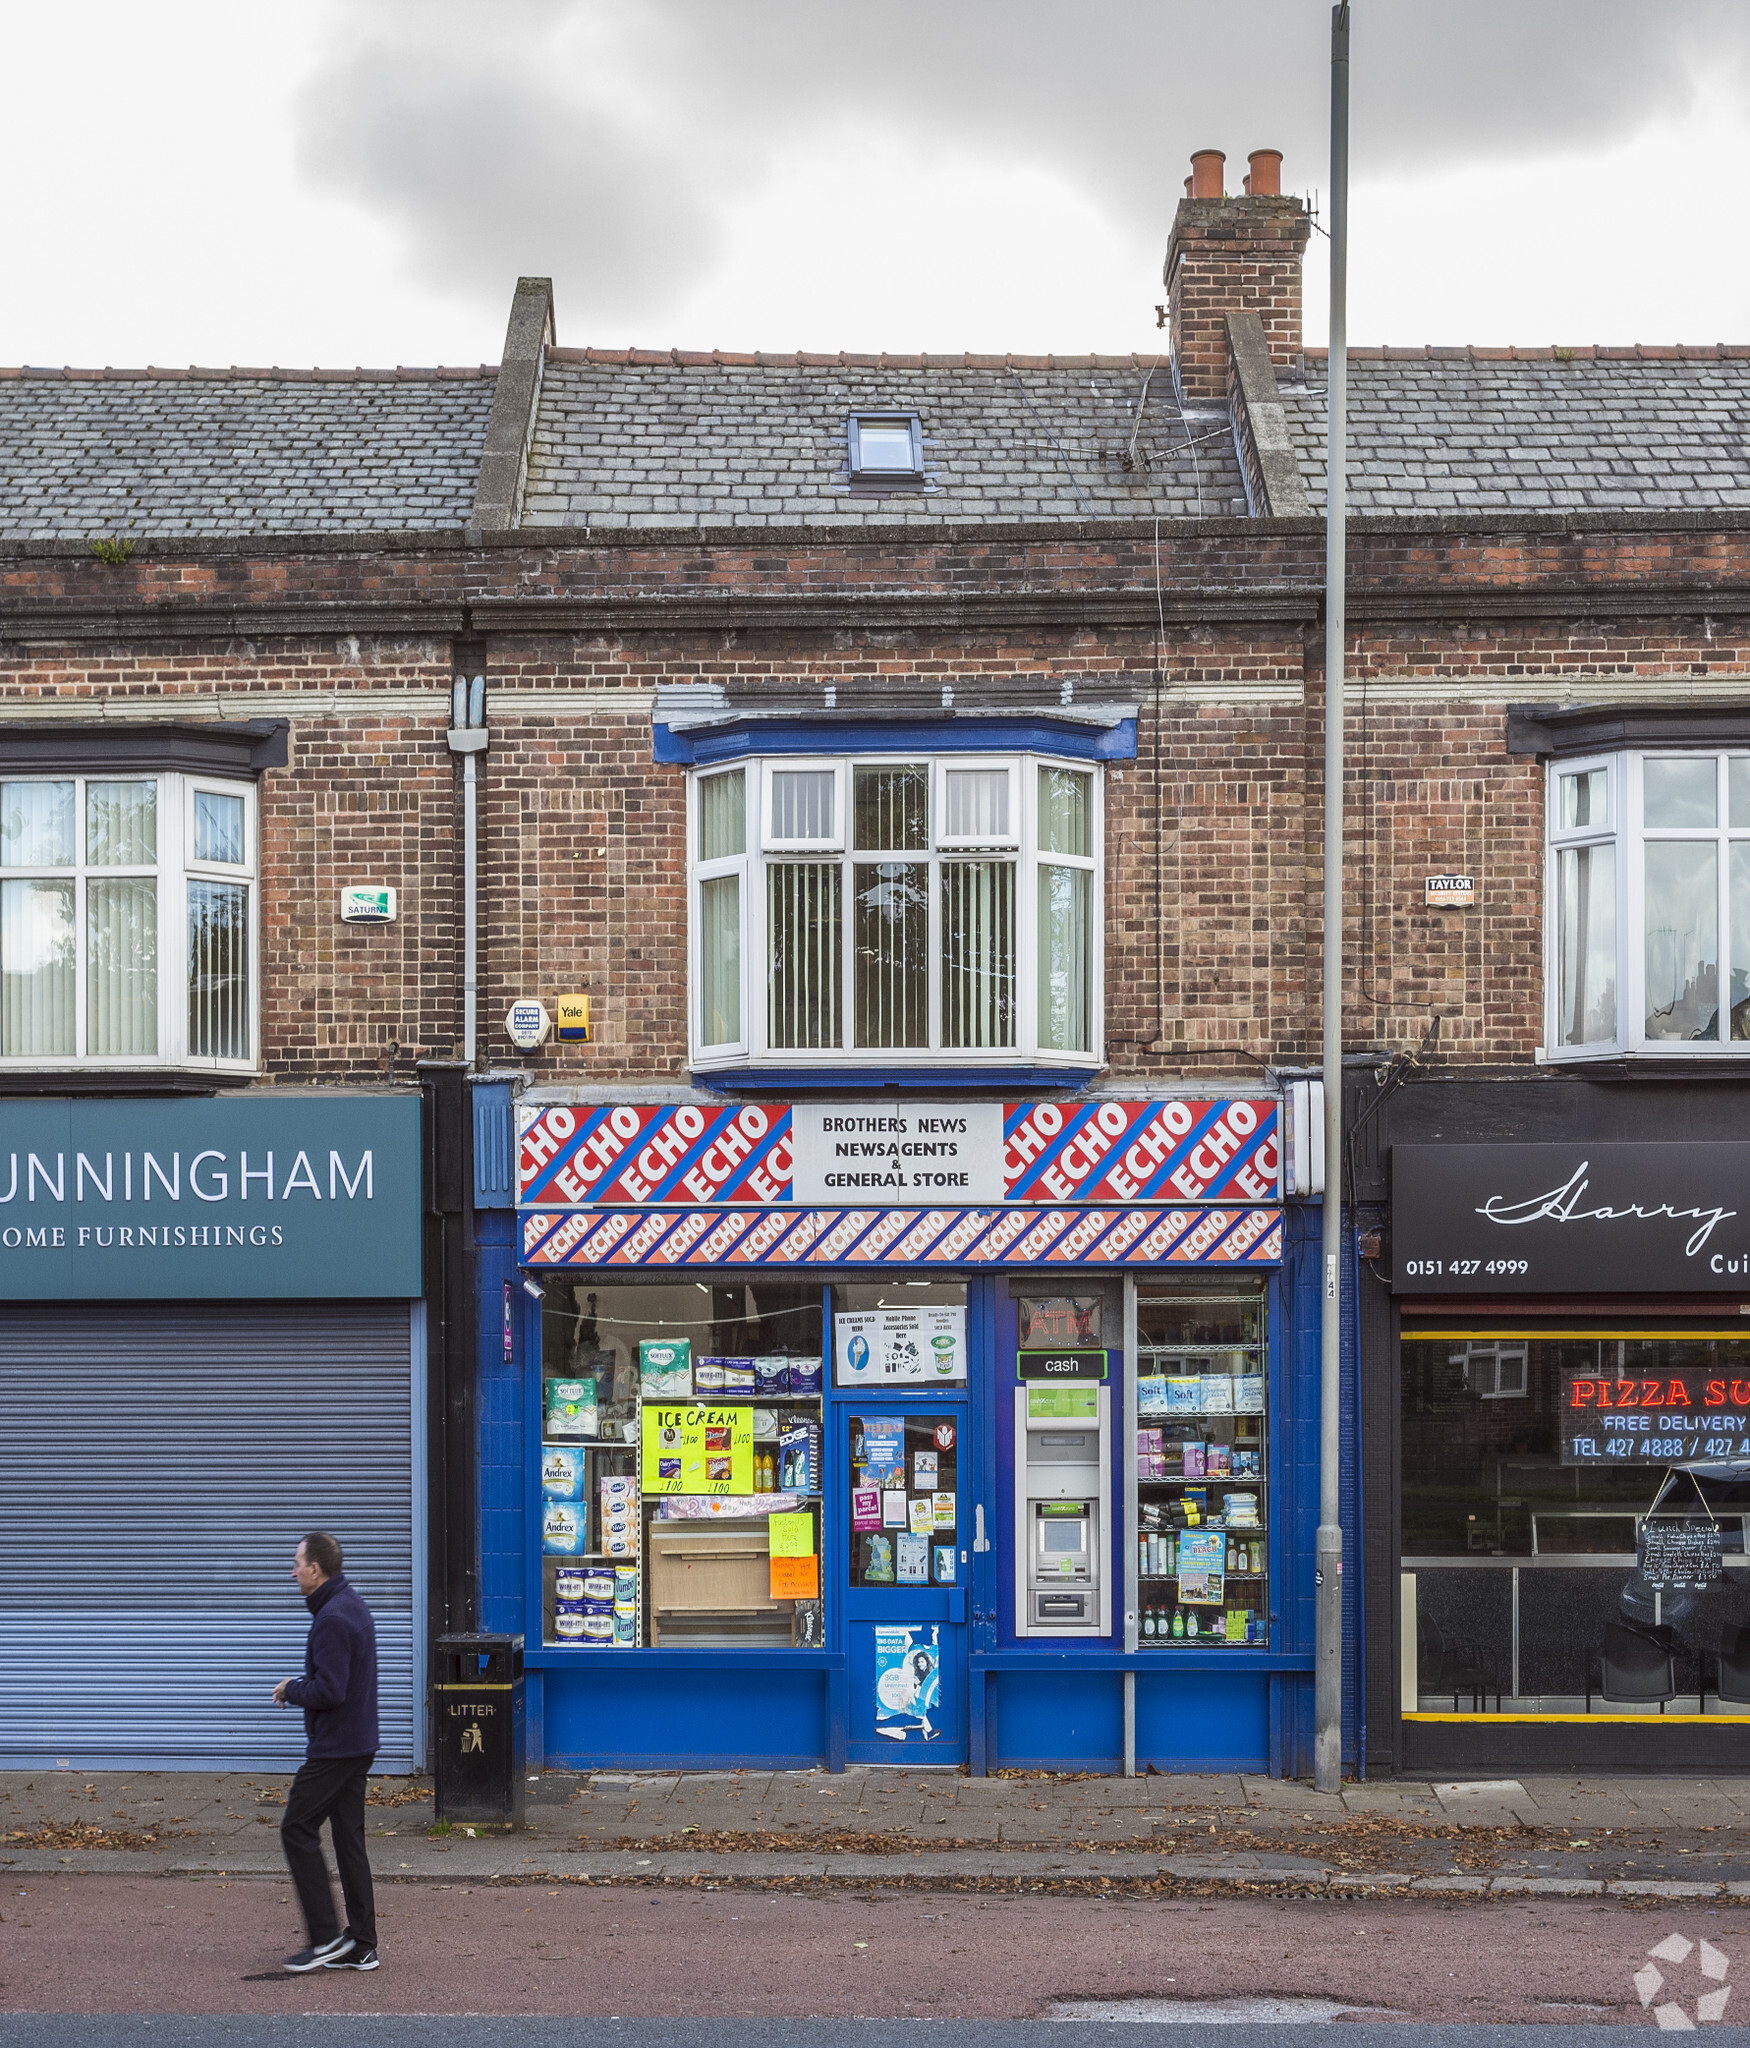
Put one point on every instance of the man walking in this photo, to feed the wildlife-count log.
(338, 1693)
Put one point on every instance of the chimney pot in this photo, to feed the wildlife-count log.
(1266, 173)
(1187, 188)
(1206, 179)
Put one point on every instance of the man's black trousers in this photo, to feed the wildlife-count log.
(332, 1789)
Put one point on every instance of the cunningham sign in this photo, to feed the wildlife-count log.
(259, 1196)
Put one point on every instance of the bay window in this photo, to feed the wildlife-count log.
(127, 921)
(895, 911)
(1649, 905)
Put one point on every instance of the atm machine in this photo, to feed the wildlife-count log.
(1063, 1508)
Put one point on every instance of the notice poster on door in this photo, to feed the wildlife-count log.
(908, 1683)
(697, 1450)
(894, 1346)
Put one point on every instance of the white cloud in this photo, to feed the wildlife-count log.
(327, 182)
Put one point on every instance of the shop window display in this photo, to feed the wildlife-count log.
(1574, 1517)
(1202, 1468)
(680, 1463)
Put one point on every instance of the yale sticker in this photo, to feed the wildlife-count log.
(571, 1016)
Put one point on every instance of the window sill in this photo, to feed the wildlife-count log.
(16, 1081)
(1671, 1061)
(936, 1077)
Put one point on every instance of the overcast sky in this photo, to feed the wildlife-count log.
(300, 182)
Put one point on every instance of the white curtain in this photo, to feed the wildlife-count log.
(1586, 917)
(720, 997)
(1065, 1022)
(121, 824)
(1063, 812)
(977, 803)
(38, 973)
(121, 967)
(36, 825)
(723, 815)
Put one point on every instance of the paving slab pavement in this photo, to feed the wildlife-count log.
(1552, 1829)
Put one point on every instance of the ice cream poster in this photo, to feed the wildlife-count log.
(891, 1346)
(697, 1450)
(908, 1683)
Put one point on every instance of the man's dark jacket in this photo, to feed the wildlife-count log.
(338, 1691)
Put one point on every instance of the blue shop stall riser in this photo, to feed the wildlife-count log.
(770, 1480)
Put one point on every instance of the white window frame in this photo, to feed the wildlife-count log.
(1482, 1370)
(797, 764)
(752, 1049)
(975, 842)
(176, 868)
(1625, 830)
(699, 870)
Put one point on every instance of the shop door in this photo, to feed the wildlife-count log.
(909, 1551)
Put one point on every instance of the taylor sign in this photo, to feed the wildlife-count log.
(1222, 1151)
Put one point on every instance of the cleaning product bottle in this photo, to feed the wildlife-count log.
(1178, 1622)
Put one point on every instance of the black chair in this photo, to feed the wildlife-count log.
(1637, 1667)
(1731, 1685)
(1455, 1664)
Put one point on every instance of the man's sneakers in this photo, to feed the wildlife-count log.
(324, 1955)
(356, 1958)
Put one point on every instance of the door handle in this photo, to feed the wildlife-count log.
(980, 1541)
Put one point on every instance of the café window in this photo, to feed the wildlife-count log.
(680, 1478)
(1574, 1510)
(1649, 905)
(905, 912)
(127, 922)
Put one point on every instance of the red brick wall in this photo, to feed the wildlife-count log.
(582, 834)
(1230, 256)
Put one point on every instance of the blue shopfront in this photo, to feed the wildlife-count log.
(781, 1468)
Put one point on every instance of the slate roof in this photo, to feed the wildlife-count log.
(636, 438)
(639, 438)
(105, 454)
(1533, 430)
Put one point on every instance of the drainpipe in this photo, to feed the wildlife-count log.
(467, 737)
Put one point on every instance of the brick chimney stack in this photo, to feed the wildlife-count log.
(1232, 255)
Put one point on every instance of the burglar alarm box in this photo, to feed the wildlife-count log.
(1063, 1508)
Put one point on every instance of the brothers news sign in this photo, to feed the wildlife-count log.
(256, 1196)
(1571, 1218)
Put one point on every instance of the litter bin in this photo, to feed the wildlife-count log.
(477, 1730)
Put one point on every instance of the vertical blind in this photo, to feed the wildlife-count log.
(978, 953)
(803, 939)
(218, 970)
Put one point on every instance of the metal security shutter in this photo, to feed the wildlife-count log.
(158, 1463)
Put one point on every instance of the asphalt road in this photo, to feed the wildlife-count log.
(32, 2031)
(88, 1945)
